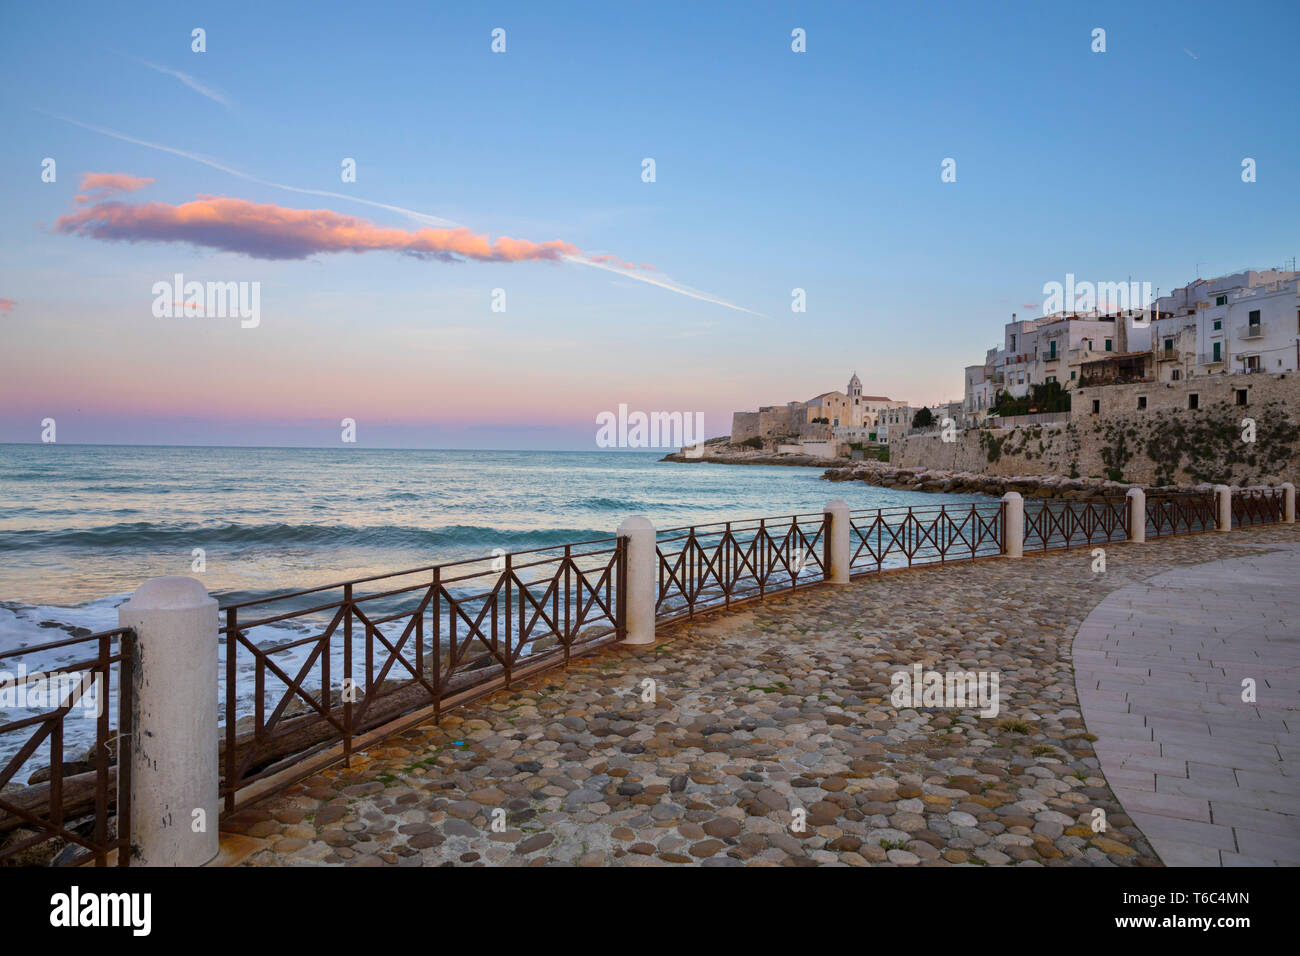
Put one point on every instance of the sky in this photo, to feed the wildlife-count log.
(523, 171)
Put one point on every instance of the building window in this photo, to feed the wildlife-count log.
(1220, 300)
(1142, 401)
(1108, 344)
(1241, 396)
(1073, 374)
(1218, 324)
(1218, 351)
(1175, 375)
(1193, 401)
(1254, 319)
(1096, 406)
(1169, 345)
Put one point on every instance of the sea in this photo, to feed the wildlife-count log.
(82, 526)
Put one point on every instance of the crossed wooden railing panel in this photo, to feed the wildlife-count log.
(82, 807)
(1180, 514)
(1257, 506)
(390, 652)
(1067, 524)
(933, 534)
(720, 564)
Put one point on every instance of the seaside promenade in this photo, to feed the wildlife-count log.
(783, 707)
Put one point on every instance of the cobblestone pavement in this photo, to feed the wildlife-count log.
(762, 715)
(1207, 776)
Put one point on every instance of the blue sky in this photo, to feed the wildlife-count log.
(775, 170)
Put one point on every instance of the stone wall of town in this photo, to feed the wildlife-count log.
(769, 422)
(776, 423)
(744, 425)
(1119, 400)
(1162, 444)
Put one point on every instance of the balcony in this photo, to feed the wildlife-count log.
(1255, 330)
(1168, 355)
(1206, 358)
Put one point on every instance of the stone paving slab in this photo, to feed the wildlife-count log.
(778, 712)
(1223, 792)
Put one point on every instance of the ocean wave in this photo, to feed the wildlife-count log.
(144, 534)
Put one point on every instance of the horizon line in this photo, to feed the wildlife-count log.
(652, 450)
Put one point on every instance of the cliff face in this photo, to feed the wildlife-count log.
(1222, 443)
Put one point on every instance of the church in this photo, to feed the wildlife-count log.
(818, 417)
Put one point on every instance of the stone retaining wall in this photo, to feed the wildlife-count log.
(1165, 443)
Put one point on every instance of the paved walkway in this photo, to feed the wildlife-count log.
(762, 717)
(1210, 779)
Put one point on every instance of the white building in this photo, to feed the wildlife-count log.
(978, 390)
(1049, 349)
(895, 421)
(1245, 322)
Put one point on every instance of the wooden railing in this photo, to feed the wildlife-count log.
(717, 565)
(883, 538)
(1055, 523)
(1180, 514)
(380, 648)
(82, 806)
(1257, 506)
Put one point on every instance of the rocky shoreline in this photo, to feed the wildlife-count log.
(966, 482)
(884, 475)
(755, 457)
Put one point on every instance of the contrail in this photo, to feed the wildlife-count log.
(215, 95)
(195, 157)
(680, 290)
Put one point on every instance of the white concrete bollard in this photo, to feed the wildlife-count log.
(837, 536)
(173, 751)
(1223, 507)
(642, 566)
(1013, 524)
(1288, 502)
(1137, 515)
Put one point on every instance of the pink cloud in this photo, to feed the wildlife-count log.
(268, 231)
(7, 305)
(96, 186)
